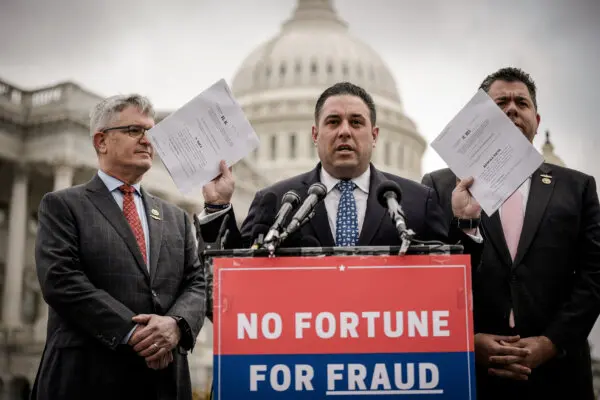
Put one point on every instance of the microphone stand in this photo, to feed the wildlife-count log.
(406, 236)
(285, 234)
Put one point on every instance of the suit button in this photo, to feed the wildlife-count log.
(513, 278)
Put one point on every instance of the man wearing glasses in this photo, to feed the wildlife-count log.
(120, 271)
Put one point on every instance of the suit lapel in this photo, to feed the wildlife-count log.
(320, 222)
(106, 205)
(540, 192)
(492, 229)
(375, 213)
(155, 225)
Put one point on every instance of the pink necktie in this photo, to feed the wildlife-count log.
(511, 216)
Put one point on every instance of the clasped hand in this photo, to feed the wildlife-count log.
(154, 338)
(510, 356)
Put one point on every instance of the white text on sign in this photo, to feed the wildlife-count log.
(351, 378)
(346, 324)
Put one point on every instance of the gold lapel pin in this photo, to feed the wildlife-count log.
(546, 179)
(155, 214)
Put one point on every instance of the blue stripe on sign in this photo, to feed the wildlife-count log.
(343, 376)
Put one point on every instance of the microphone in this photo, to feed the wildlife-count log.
(389, 196)
(316, 193)
(289, 201)
(262, 223)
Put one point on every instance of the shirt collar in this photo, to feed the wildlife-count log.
(362, 181)
(113, 183)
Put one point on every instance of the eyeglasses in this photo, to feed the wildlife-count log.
(135, 131)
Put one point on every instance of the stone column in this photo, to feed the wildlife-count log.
(63, 178)
(15, 257)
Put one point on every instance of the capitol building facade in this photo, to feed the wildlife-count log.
(45, 146)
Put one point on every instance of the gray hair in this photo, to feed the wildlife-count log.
(105, 111)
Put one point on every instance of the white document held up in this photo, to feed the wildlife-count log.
(192, 140)
(481, 141)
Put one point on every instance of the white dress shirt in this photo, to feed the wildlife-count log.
(332, 199)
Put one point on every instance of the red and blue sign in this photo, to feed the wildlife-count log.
(343, 326)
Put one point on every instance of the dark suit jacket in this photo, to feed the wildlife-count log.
(423, 214)
(553, 285)
(94, 279)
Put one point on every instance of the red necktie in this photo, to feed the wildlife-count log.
(132, 216)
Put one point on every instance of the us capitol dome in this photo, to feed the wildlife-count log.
(279, 82)
(45, 146)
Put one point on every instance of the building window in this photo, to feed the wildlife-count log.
(345, 70)
(273, 147)
(268, 72)
(400, 157)
(293, 147)
(359, 72)
(282, 70)
(313, 68)
(329, 69)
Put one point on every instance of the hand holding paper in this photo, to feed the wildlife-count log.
(482, 142)
(193, 140)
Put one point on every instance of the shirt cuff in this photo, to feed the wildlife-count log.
(477, 238)
(128, 336)
(205, 217)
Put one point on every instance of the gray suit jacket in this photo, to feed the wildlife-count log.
(94, 279)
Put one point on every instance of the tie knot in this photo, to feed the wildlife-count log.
(126, 189)
(346, 186)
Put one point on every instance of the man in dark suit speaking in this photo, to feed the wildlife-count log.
(345, 133)
(537, 289)
(120, 271)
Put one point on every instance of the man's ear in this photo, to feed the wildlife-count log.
(315, 134)
(375, 134)
(100, 142)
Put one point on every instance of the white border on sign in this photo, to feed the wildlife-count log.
(463, 267)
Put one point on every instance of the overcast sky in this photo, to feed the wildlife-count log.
(438, 51)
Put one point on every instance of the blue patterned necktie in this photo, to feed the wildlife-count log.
(346, 232)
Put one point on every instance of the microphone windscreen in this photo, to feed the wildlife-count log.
(385, 188)
(317, 189)
(290, 197)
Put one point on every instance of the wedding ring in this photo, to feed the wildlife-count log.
(155, 345)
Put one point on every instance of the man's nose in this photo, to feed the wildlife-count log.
(344, 128)
(144, 139)
(510, 109)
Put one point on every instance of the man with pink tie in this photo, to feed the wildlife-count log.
(537, 286)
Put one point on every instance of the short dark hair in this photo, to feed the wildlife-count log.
(511, 74)
(346, 88)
